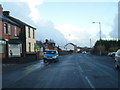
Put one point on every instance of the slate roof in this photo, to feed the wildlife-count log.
(19, 21)
(8, 20)
(71, 44)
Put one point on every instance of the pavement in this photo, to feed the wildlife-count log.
(72, 71)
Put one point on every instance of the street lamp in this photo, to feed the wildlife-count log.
(100, 34)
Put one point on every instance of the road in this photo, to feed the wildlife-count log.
(72, 71)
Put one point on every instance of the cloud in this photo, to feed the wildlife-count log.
(114, 33)
(62, 34)
(46, 30)
(77, 35)
(34, 12)
(29, 14)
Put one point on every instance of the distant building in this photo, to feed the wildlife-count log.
(40, 45)
(78, 49)
(62, 47)
(27, 35)
(50, 45)
(71, 46)
(10, 45)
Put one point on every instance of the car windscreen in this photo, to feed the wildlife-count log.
(118, 52)
(51, 52)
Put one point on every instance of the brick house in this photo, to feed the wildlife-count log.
(9, 37)
(49, 45)
(27, 35)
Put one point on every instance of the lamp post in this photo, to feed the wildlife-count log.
(100, 34)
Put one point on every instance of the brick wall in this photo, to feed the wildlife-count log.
(1, 9)
(5, 36)
(28, 58)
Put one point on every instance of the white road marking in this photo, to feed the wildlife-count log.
(80, 68)
(91, 85)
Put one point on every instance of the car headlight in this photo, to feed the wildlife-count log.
(54, 57)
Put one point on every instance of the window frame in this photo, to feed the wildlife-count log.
(3, 47)
(15, 30)
(9, 29)
(5, 28)
(29, 32)
(33, 33)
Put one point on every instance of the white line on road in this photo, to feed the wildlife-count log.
(80, 68)
(91, 85)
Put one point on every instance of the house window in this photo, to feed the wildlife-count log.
(29, 32)
(29, 47)
(9, 29)
(2, 46)
(15, 31)
(33, 34)
(5, 28)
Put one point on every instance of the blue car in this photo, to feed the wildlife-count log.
(51, 56)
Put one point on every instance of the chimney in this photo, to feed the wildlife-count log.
(1, 10)
(46, 41)
(6, 13)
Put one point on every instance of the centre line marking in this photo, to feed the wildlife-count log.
(91, 85)
(80, 68)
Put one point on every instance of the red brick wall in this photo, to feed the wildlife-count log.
(50, 47)
(2, 55)
(0, 28)
(1, 9)
(5, 36)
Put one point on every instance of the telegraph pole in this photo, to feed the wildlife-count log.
(100, 34)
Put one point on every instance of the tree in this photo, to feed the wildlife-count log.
(106, 46)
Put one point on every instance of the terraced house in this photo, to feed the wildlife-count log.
(17, 39)
(10, 45)
(27, 35)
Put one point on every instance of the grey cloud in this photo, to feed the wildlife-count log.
(18, 10)
(114, 32)
(45, 28)
(48, 32)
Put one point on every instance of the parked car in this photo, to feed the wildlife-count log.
(51, 56)
(111, 54)
(117, 59)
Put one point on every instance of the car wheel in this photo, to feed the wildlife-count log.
(45, 61)
(54, 61)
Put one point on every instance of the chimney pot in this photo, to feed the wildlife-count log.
(6, 13)
(1, 10)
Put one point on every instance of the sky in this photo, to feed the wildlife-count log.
(67, 21)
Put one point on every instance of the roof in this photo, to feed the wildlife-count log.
(8, 20)
(19, 21)
(71, 44)
(39, 43)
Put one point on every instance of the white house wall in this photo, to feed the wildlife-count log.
(31, 39)
(62, 47)
(69, 47)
